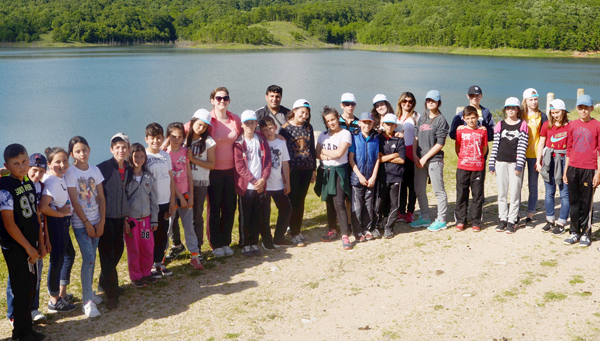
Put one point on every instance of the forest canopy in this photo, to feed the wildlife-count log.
(530, 24)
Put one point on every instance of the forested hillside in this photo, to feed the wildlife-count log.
(531, 24)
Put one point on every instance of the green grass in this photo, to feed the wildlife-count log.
(549, 263)
(576, 280)
(554, 296)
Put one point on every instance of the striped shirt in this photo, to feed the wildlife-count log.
(500, 134)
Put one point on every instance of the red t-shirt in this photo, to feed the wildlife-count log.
(556, 137)
(583, 144)
(471, 143)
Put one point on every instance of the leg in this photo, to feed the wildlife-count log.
(368, 209)
(339, 202)
(87, 248)
(215, 197)
(23, 287)
(160, 235)
(65, 274)
(187, 220)
(132, 241)
(199, 198)
(436, 173)
(394, 189)
(358, 202)
(229, 206)
(9, 300)
(174, 230)
(463, 180)
(110, 249)
(550, 194)
(260, 221)
(502, 169)
(299, 183)
(284, 207)
(564, 200)
(146, 247)
(57, 256)
(532, 176)
(245, 217)
(409, 179)
(515, 183)
(421, 175)
(587, 198)
(477, 188)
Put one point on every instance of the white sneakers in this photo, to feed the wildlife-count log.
(37, 316)
(228, 251)
(97, 300)
(90, 310)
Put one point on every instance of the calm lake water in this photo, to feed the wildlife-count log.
(49, 95)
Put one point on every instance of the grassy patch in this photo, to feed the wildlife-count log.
(438, 307)
(232, 335)
(549, 263)
(313, 285)
(390, 335)
(583, 293)
(576, 280)
(554, 296)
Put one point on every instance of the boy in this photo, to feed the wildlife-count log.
(159, 164)
(274, 109)
(471, 148)
(21, 237)
(252, 158)
(485, 117)
(278, 185)
(582, 174)
(347, 120)
(110, 246)
(364, 161)
(392, 154)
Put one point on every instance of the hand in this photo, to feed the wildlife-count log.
(538, 166)
(399, 135)
(280, 137)
(189, 154)
(371, 182)
(314, 178)
(99, 229)
(154, 228)
(423, 161)
(363, 181)
(596, 180)
(65, 210)
(127, 228)
(33, 254)
(42, 250)
(48, 245)
(190, 202)
(418, 163)
(183, 202)
(461, 127)
(565, 180)
(286, 189)
(260, 184)
(493, 173)
(91, 231)
(518, 173)
(172, 207)
(483, 128)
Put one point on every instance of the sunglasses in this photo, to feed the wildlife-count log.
(222, 99)
(349, 104)
(409, 101)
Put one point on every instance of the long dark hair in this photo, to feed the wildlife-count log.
(375, 114)
(190, 137)
(137, 147)
(75, 140)
(328, 110)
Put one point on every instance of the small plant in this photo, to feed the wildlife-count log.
(554, 296)
(388, 335)
(583, 294)
(232, 335)
(297, 36)
(438, 307)
(576, 280)
(549, 263)
(313, 285)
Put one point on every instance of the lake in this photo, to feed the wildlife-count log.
(49, 95)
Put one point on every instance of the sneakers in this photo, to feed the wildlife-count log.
(558, 230)
(420, 223)
(297, 240)
(573, 238)
(283, 243)
(228, 251)
(156, 273)
(37, 316)
(256, 251)
(585, 241)
(501, 226)
(376, 234)
(165, 271)
(346, 243)
(61, 306)
(460, 227)
(388, 234)
(476, 229)
(68, 297)
(510, 228)
(268, 247)
(360, 237)
(401, 217)
(175, 252)
(149, 279)
(549, 225)
(90, 310)
(410, 217)
(247, 251)
(138, 283)
(529, 223)
(196, 263)
(329, 237)
(303, 238)
(369, 236)
(437, 226)
(219, 252)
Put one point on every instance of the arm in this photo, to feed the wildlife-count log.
(178, 194)
(210, 159)
(488, 123)
(354, 166)
(102, 208)
(190, 201)
(416, 159)
(240, 164)
(373, 178)
(8, 218)
(286, 177)
(89, 228)
(336, 154)
(173, 189)
(540, 150)
(457, 146)
(45, 208)
(522, 148)
(266, 171)
(388, 158)
(596, 179)
(565, 179)
(456, 122)
(153, 206)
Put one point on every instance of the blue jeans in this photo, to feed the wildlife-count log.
(62, 255)
(564, 197)
(532, 178)
(87, 247)
(10, 297)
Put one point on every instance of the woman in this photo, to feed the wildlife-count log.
(408, 118)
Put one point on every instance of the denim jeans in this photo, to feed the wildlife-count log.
(87, 247)
(10, 297)
(62, 255)
(532, 178)
(551, 192)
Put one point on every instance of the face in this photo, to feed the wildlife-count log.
(249, 126)
(389, 128)
(269, 131)
(366, 126)
(221, 100)
(154, 142)
(18, 166)
(176, 137)
(59, 164)
(556, 114)
(512, 112)
(532, 103)
(431, 104)
(81, 153)
(273, 100)
(301, 115)
(139, 158)
(474, 99)
(407, 104)
(332, 122)
(584, 111)
(36, 174)
(471, 121)
(92, 184)
(199, 127)
(120, 151)
(348, 107)
(381, 108)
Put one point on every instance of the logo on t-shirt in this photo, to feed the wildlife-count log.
(510, 134)
(582, 139)
(275, 158)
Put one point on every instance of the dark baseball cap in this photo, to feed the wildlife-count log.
(38, 160)
(474, 90)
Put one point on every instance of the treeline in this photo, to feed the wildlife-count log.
(532, 24)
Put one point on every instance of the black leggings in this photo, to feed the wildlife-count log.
(336, 207)
(299, 183)
(407, 187)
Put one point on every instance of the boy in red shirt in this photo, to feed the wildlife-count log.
(471, 148)
(580, 174)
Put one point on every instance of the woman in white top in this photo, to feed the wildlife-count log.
(408, 118)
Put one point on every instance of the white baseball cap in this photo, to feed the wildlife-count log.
(512, 102)
(348, 97)
(390, 118)
(301, 103)
(558, 104)
(248, 115)
(203, 115)
(122, 136)
(530, 93)
(379, 98)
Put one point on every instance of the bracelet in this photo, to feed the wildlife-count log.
(86, 221)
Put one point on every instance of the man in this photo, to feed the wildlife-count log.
(274, 108)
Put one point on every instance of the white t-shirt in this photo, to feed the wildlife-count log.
(333, 143)
(408, 126)
(253, 156)
(56, 188)
(199, 173)
(160, 165)
(279, 154)
(85, 184)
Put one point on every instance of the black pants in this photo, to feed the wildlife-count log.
(161, 238)
(175, 230)
(363, 199)
(299, 183)
(407, 188)
(581, 195)
(23, 284)
(336, 208)
(222, 202)
(284, 206)
(62, 255)
(475, 181)
(110, 249)
(387, 197)
(253, 213)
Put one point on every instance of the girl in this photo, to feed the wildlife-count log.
(551, 162)
(429, 161)
(510, 134)
(55, 206)
(88, 221)
(201, 153)
(408, 118)
(182, 176)
(381, 106)
(300, 137)
(142, 220)
(332, 150)
(535, 119)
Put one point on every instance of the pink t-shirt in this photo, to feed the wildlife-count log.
(224, 135)
(179, 160)
(583, 144)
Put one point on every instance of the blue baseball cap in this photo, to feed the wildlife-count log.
(585, 100)
(366, 116)
(434, 95)
(38, 160)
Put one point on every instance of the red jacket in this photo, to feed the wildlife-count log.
(242, 173)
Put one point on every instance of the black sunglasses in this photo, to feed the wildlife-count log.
(223, 99)
(349, 104)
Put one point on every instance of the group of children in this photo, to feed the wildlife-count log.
(371, 171)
